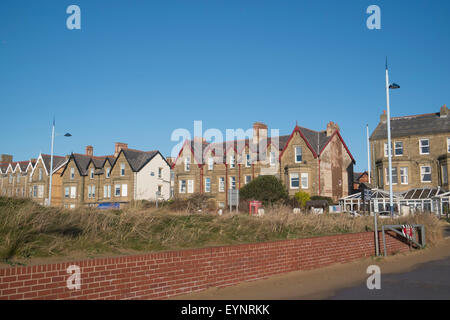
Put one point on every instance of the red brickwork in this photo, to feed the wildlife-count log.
(165, 274)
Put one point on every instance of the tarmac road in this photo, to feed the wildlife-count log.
(430, 280)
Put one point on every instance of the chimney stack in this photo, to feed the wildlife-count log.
(444, 111)
(90, 151)
(331, 128)
(119, 146)
(259, 132)
(383, 117)
(6, 158)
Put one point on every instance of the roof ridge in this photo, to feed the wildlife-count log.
(415, 115)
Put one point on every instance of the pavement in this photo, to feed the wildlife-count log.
(429, 281)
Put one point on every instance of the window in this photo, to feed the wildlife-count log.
(66, 192)
(18, 178)
(117, 190)
(40, 191)
(298, 154)
(210, 163)
(182, 186)
(304, 180)
(159, 190)
(72, 173)
(122, 169)
(248, 179)
(108, 172)
(207, 184)
(233, 183)
(404, 175)
(424, 146)
(187, 164)
(294, 179)
(448, 145)
(190, 186)
(107, 191)
(248, 160)
(91, 174)
(221, 184)
(73, 192)
(425, 173)
(272, 158)
(35, 191)
(232, 161)
(444, 174)
(394, 175)
(398, 148)
(160, 173)
(386, 149)
(91, 191)
(30, 178)
(124, 190)
(10, 178)
(40, 174)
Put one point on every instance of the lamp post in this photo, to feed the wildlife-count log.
(51, 163)
(389, 86)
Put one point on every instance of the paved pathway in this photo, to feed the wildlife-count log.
(430, 280)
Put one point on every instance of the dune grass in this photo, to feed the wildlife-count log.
(28, 230)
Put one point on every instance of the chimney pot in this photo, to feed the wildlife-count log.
(89, 150)
(383, 117)
(444, 111)
(331, 128)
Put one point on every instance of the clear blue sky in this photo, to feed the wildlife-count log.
(137, 70)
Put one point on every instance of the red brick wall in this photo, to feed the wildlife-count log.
(165, 274)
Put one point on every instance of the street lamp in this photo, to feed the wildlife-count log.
(51, 163)
(389, 86)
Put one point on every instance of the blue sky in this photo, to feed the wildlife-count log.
(137, 70)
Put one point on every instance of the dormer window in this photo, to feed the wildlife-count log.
(298, 154)
(108, 172)
(187, 164)
(232, 161)
(91, 175)
(72, 173)
(122, 169)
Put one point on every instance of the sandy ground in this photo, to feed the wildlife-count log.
(322, 283)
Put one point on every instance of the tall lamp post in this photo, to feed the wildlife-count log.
(51, 163)
(389, 86)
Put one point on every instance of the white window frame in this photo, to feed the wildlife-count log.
(40, 174)
(422, 174)
(448, 145)
(210, 163)
(66, 192)
(404, 174)
(116, 188)
(124, 191)
(421, 146)
(273, 158)
(91, 174)
(395, 149)
(221, 184)
(304, 177)
(190, 186)
(122, 169)
(207, 184)
(232, 161)
(108, 173)
(72, 173)
(294, 175)
(393, 175)
(248, 179)
(232, 182)
(73, 192)
(296, 154)
(187, 163)
(183, 186)
(248, 160)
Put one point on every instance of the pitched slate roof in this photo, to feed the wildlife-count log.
(423, 124)
(23, 165)
(57, 161)
(137, 159)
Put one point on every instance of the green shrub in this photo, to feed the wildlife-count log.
(329, 200)
(302, 198)
(267, 189)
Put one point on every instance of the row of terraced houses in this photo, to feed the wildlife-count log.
(316, 162)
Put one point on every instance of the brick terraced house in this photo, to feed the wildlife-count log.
(317, 162)
(420, 151)
(128, 175)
